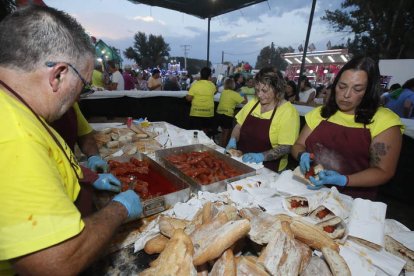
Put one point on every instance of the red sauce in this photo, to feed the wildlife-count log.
(329, 229)
(298, 203)
(323, 213)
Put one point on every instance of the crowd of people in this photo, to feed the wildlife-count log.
(45, 229)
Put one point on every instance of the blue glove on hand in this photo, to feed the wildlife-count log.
(328, 177)
(253, 157)
(304, 162)
(131, 202)
(96, 163)
(107, 182)
(232, 144)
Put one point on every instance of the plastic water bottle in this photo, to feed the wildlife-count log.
(195, 138)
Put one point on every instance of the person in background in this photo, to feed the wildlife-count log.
(171, 84)
(401, 100)
(142, 81)
(154, 82)
(97, 77)
(201, 96)
(351, 136)
(248, 89)
(229, 99)
(307, 92)
(116, 81)
(129, 79)
(268, 125)
(291, 91)
(42, 232)
(239, 81)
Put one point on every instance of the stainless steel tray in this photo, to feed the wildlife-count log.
(156, 204)
(216, 187)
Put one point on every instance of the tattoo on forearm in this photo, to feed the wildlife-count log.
(378, 150)
(277, 152)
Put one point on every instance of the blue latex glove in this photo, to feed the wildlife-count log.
(107, 182)
(328, 177)
(232, 144)
(304, 162)
(131, 202)
(96, 163)
(253, 157)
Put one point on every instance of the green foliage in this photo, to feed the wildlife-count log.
(271, 56)
(148, 51)
(382, 29)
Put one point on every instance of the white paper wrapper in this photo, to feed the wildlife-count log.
(337, 203)
(314, 200)
(242, 199)
(286, 185)
(356, 264)
(255, 181)
(187, 210)
(149, 232)
(394, 226)
(367, 221)
(388, 263)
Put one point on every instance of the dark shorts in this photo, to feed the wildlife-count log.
(224, 121)
(201, 123)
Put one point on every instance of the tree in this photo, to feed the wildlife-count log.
(148, 52)
(271, 56)
(382, 29)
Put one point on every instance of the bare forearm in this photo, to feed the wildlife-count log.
(87, 145)
(296, 149)
(277, 152)
(72, 256)
(370, 177)
(236, 132)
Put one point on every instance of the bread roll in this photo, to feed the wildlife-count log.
(247, 266)
(321, 214)
(298, 175)
(156, 244)
(225, 265)
(298, 205)
(176, 259)
(334, 227)
(335, 261)
(316, 266)
(235, 152)
(312, 235)
(168, 225)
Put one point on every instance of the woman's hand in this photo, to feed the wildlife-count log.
(328, 177)
(253, 157)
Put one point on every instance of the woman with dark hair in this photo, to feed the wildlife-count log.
(352, 137)
(268, 125)
(291, 94)
(307, 92)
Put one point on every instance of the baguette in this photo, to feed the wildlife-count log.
(316, 266)
(175, 259)
(298, 205)
(168, 225)
(335, 261)
(156, 244)
(225, 265)
(235, 152)
(334, 227)
(283, 255)
(312, 235)
(399, 250)
(247, 266)
(213, 244)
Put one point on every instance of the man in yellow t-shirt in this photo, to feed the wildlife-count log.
(201, 96)
(42, 232)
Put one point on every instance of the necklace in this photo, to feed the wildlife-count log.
(72, 161)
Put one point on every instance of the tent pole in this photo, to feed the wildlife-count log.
(302, 66)
(208, 42)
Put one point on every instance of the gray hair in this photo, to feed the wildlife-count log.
(274, 79)
(34, 35)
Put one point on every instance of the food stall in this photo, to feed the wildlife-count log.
(256, 212)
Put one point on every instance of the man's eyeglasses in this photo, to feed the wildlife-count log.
(87, 86)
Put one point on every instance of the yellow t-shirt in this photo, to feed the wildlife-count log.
(202, 104)
(97, 79)
(37, 185)
(284, 129)
(83, 126)
(228, 101)
(250, 92)
(382, 120)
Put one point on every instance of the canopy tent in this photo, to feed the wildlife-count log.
(204, 9)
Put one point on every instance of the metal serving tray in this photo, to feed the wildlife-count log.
(156, 204)
(216, 187)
